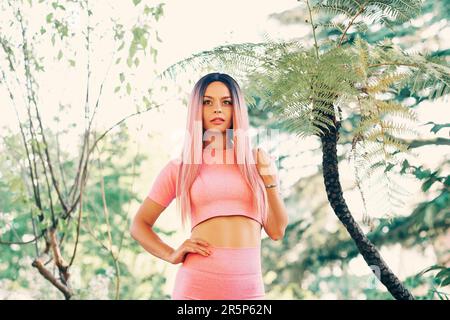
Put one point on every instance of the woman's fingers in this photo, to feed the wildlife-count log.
(200, 250)
(205, 252)
(198, 246)
(201, 242)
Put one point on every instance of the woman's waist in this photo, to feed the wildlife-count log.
(229, 231)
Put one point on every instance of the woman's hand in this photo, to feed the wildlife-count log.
(189, 245)
(266, 166)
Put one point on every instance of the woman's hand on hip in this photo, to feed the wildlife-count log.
(188, 246)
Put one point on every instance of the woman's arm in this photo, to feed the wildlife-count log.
(141, 230)
(277, 219)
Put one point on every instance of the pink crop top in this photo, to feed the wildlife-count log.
(218, 190)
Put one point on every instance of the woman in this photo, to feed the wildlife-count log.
(228, 196)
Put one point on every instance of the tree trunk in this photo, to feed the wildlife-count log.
(335, 197)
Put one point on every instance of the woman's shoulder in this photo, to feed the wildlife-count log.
(175, 160)
(174, 163)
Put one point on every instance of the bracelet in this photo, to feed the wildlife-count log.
(271, 185)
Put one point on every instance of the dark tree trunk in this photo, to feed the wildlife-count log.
(337, 201)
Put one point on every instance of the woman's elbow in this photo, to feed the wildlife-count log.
(138, 226)
(277, 236)
(133, 229)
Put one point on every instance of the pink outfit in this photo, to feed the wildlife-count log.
(228, 273)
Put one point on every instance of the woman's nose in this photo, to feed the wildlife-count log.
(218, 107)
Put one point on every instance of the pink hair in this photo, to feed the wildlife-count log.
(192, 151)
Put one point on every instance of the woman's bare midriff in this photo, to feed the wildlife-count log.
(228, 231)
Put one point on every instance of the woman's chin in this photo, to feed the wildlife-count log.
(219, 128)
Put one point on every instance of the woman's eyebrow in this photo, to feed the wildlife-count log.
(221, 98)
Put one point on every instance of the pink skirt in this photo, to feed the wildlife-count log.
(226, 274)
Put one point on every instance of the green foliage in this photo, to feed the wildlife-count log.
(387, 13)
(307, 248)
(93, 257)
(441, 279)
(443, 276)
(436, 127)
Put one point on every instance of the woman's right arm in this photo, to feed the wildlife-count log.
(142, 231)
(158, 199)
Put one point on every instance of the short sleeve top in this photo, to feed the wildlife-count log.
(218, 190)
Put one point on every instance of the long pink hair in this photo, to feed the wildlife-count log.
(191, 154)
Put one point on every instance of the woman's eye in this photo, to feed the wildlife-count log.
(226, 101)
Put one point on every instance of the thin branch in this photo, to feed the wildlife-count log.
(60, 167)
(77, 182)
(32, 96)
(80, 210)
(313, 30)
(63, 268)
(37, 263)
(361, 9)
(98, 140)
(23, 242)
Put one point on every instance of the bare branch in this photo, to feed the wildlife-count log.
(37, 263)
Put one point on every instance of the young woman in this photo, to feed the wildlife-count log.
(227, 189)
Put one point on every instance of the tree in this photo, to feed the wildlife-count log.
(57, 187)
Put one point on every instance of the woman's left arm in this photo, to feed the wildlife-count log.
(277, 219)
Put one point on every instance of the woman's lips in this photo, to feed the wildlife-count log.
(218, 121)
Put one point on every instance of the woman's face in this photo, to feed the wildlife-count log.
(217, 103)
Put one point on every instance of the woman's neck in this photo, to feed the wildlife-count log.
(217, 152)
(218, 145)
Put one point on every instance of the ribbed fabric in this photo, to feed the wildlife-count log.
(226, 274)
(218, 190)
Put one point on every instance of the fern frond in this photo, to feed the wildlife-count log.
(362, 52)
(361, 27)
(373, 163)
(395, 142)
(438, 85)
(393, 108)
(238, 57)
(366, 123)
(332, 25)
(392, 127)
(384, 82)
(301, 126)
(399, 10)
(373, 168)
(294, 109)
(386, 12)
(424, 72)
(335, 7)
